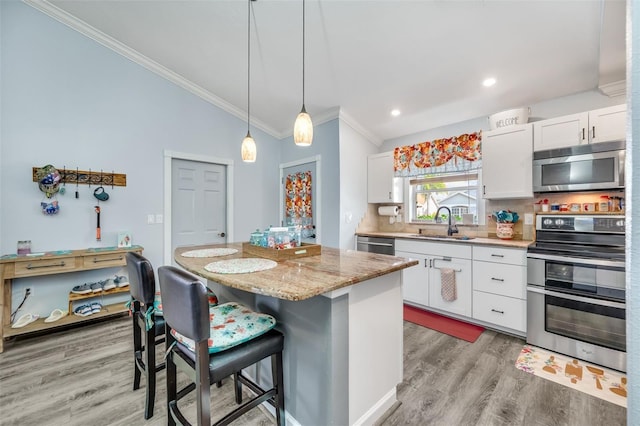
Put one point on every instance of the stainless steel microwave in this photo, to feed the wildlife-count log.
(580, 168)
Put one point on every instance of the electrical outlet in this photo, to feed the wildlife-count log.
(528, 219)
(159, 218)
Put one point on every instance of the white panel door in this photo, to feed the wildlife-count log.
(309, 232)
(198, 203)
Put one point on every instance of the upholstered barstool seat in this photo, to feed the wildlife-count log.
(198, 344)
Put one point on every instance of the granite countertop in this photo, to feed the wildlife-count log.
(473, 240)
(300, 278)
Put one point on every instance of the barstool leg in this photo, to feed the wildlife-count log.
(278, 383)
(150, 372)
(237, 387)
(137, 352)
(172, 385)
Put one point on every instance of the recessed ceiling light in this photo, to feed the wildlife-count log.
(488, 82)
(395, 112)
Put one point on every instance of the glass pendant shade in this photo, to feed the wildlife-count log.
(248, 149)
(303, 129)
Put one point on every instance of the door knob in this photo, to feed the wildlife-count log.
(222, 234)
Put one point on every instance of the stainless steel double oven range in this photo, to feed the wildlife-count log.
(576, 288)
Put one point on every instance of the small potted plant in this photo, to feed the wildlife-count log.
(505, 219)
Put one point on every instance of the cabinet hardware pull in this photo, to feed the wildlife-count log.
(389, 194)
(30, 266)
(497, 279)
(484, 190)
(425, 263)
(583, 133)
(446, 259)
(497, 255)
(96, 260)
(497, 311)
(593, 132)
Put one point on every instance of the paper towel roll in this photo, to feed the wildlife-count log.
(388, 211)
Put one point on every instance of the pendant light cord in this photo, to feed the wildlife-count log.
(248, 64)
(303, 43)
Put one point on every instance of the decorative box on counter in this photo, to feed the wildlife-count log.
(283, 254)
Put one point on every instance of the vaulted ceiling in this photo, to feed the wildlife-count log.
(367, 57)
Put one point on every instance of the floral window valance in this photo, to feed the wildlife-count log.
(454, 154)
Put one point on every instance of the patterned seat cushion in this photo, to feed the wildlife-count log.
(231, 324)
(157, 301)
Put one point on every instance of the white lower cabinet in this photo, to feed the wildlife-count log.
(502, 311)
(491, 282)
(500, 286)
(421, 284)
(462, 270)
(415, 280)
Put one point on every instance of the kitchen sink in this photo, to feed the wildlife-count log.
(442, 237)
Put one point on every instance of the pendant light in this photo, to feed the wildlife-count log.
(303, 127)
(248, 149)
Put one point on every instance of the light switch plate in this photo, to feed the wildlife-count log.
(151, 219)
(528, 218)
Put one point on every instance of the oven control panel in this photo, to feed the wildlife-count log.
(609, 224)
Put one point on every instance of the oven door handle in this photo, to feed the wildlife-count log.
(565, 259)
(593, 301)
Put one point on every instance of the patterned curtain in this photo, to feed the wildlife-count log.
(454, 154)
(298, 196)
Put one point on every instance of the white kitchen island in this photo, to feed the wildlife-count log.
(341, 314)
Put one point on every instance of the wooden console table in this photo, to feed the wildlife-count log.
(60, 262)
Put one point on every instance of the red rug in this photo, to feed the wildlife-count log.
(452, 327)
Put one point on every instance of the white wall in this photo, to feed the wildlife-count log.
(354, 149)
(69, 101)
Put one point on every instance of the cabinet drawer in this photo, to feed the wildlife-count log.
(44, 266)
(505, 280)
(502, 311)
(500, 255)
(461, 251)
(104, 260)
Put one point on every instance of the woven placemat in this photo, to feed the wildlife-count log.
(240, 266)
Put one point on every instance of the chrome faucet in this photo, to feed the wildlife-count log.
(452, 229)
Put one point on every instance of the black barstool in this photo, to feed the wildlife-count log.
(186, 311)
(148, 328)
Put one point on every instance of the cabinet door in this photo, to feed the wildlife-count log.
(608, 124)
(507, 157)
(415, 280)
(462, 270)
(568, 130)
(382, 187)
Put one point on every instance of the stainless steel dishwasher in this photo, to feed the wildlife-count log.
(379, 245)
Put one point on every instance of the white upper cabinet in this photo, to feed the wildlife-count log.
(507, 156)
(600, 125)
(608, 124)
(382, 187)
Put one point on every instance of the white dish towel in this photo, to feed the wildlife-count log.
(448, 288)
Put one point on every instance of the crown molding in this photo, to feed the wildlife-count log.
(616, 88)
(109, 42)
(374, 139)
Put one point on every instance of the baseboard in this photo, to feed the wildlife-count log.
(378, 409)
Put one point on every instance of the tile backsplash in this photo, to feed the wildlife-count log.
(372, 222)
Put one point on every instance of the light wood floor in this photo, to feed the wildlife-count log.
(84, 377)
